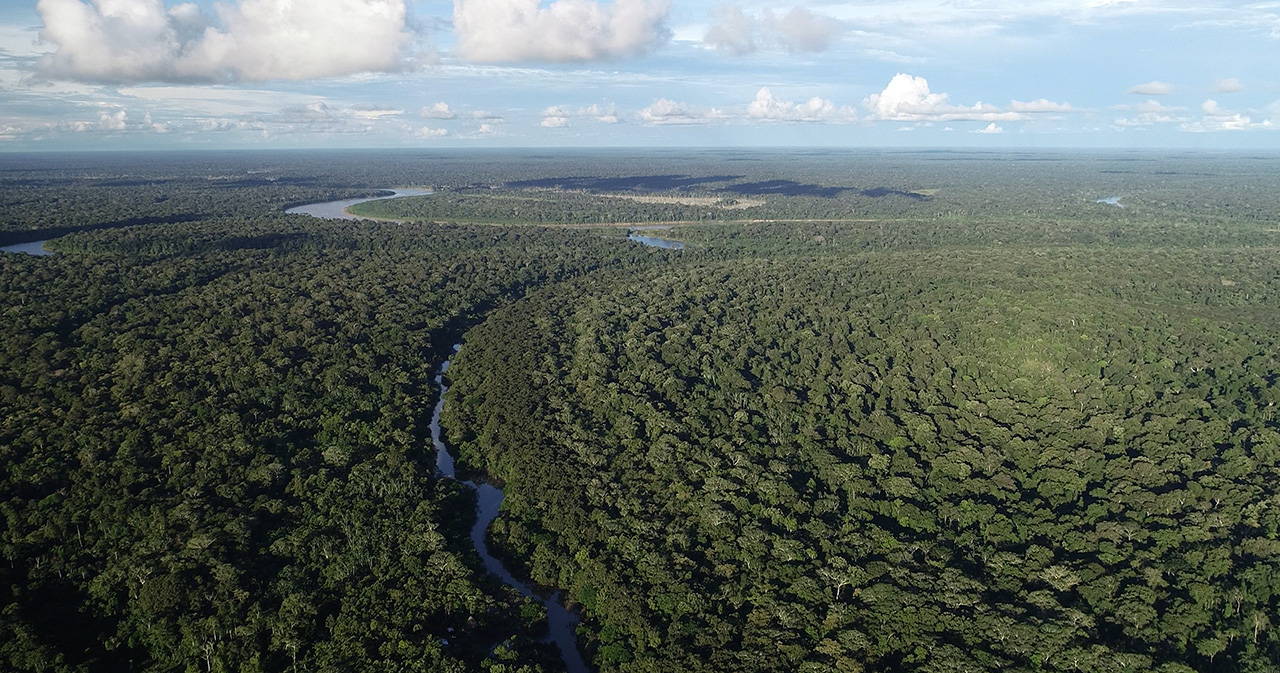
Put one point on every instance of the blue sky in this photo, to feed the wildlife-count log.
(121, 74)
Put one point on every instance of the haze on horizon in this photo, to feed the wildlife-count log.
(147, 74)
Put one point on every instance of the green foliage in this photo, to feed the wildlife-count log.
(214, 458)
(916, 411)
(904, 461)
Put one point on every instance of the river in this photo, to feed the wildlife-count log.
(653, 241)
(331, 210)
(337, 210)
(30, 248)
(560, 621)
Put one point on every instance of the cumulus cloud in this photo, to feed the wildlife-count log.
(554, 117)
(428, 132)
(1152, 89)
(605, 114)
(798, 30)
(990, 129)
(908, 98)
(1148, 113)
(113, 120)
(767, 107)
(142, 40)
(496, 31)
(558, 116)
(668, 112)
(1217, 118)
(439, 110)
(157, 127)
(1228, 85)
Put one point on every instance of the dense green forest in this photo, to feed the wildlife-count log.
(1030, 461)
(538, 207)
(888, 411)
(213, 447)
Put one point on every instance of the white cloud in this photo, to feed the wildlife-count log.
(371, 111)
(1150, 105)
(802, 30)
(1228, 85)
(1040, 105)
(733, 32)
(990, 129)
(113, 120)
(1152, 89)
(494, 31)
(767, 107)
(1148, 113)
(558, 116)
(554, 117)
(439, 110)
(908, 98)
(605, 114)
(157, 127)
(142, 40)
(1147, 119)
(667, 112)
(429, 132)
(798, 30)
(1217, 118)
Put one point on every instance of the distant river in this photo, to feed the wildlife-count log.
(653, 241)
(30, 248)
(337, 210)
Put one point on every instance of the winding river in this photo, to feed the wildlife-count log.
(337, 210)
(560, 621)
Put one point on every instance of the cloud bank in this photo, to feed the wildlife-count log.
(504, 31)
(118, 41)
(908, 99)
(664, 112)
(767, 107)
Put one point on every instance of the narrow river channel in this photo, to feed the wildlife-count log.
(560, 621)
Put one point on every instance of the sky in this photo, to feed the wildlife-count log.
(150, 74)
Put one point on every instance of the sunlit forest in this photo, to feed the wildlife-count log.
(889, 411)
